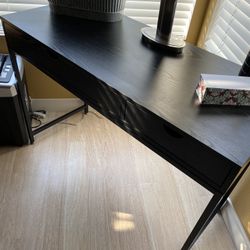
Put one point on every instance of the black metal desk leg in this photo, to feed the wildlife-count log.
(85, 108)
(212, 208)
(21, 96)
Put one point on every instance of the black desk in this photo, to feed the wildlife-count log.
(146, 93)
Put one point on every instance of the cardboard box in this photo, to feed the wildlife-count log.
(223, 90)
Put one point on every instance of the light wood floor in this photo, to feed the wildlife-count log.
(93, 187)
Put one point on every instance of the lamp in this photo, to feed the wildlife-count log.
(161, 37)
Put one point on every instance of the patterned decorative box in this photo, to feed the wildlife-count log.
(100, 10)
(223, 90)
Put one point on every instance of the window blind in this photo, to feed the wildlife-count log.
(10, 6)
(145, 11)
(229, 35)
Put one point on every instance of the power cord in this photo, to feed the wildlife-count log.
(37, 120)
(37, 116)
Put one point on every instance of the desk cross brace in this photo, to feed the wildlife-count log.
(21, 98)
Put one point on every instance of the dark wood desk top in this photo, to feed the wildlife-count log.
(165, 85)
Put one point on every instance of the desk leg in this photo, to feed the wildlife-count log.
(212, 208)
(85, 108)
(21, 95)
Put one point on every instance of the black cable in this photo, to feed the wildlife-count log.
(38, 120)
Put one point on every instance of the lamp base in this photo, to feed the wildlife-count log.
(175, 45)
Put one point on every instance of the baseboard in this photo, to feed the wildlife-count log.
(56, 105)
(235, 227)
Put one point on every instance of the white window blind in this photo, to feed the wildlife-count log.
(9, 6)
(229, 34)
(146, 11)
